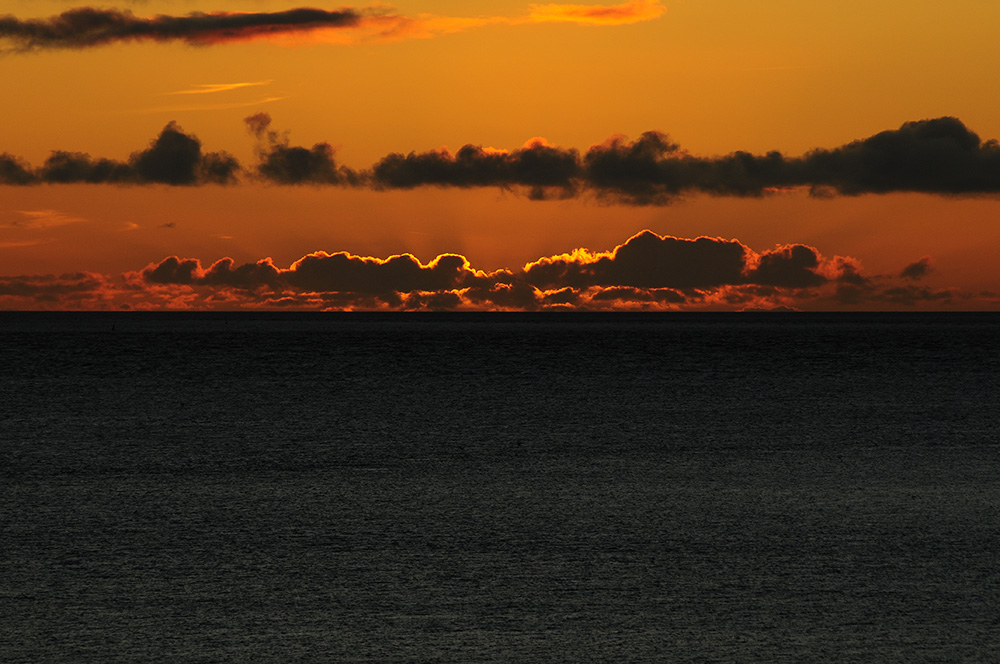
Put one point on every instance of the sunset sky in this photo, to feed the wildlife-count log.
(433, 154)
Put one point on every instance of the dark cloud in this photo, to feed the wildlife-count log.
(85, 27)
(939, 156)
(440, 301)
(630, 294)
(647, 272)
(537, 166)
(918, 269)
(176, 158)
(65, 167)
(50, 286)
(345, 272)
(249, 276)
(173, 270)
(504, 293)
(77, 290)
(281, 163)
(791, 266)
(173, 157)
(323, 273)
(647, 260)
(14, 170)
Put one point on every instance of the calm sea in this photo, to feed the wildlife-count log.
(499, 488)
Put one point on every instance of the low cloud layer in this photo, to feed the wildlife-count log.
(648, 272)
(938, 156)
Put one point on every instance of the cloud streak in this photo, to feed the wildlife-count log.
(88, 27)
(212, 88)
(937, 156)
(623, 14)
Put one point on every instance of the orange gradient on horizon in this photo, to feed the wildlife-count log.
(716, 76)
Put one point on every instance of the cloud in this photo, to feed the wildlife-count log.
(212, 88)
(918, 269)
(173, 157)
(81, 290)
(537, 166)
(176, 158)
(86, 27)
(651, 261)
(14, 170)
(646, 260)
(647, 272)
(282, 163)
(323, 272)
(623, 14)
(789, 266)
(939, 156)
(36, 219)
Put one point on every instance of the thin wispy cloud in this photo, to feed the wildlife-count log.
(88, 27)
(212, 88)
(37, 219)
(623, 14)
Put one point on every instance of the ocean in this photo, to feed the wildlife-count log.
(552, 487)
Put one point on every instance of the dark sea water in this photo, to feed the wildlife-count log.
(494, 488)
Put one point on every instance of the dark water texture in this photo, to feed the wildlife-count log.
(524, 488)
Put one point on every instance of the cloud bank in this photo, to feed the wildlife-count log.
(937, 156)
(648, 272)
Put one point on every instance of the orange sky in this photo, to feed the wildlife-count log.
(717, 76)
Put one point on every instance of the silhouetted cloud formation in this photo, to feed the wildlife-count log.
(281, 163)
(323, 272)
(918, 269)
(173, 158)
(176, 158)
(536, 165)
(84, 27)
(13, 170)
(647, 272)
(939, 156)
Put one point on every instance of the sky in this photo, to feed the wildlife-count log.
(466, 155)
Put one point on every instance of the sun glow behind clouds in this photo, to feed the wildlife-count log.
(647, 272)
